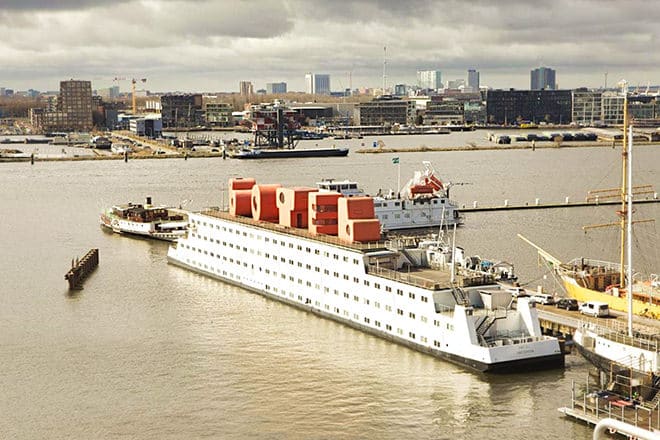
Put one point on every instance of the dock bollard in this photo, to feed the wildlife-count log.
(474, 204)
(537, 201)
(567, 198)
(506, 202)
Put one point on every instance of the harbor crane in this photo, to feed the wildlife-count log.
(133, 82)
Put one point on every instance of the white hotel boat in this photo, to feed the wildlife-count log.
(401, 290)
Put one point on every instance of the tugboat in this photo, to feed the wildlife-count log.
(158, 222)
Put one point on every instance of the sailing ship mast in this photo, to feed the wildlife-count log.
(629, 231)
(624, 186)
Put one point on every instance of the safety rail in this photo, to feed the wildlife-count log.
(617, 333)
(328, 239)
(407, 277)
(596, 405)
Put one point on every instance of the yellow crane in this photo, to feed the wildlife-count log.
(133, 82)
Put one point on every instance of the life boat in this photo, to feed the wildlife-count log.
(421, 189)
(434, 182)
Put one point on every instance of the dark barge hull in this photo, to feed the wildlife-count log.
(290, 153)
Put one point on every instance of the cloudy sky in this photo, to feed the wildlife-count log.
(210, 45)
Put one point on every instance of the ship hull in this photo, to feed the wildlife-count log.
(583, 294)
(538, 363)
(292, 153)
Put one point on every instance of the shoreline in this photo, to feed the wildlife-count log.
(185, 155)
(502, 147)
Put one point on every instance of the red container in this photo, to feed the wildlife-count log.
(264, 205)
(241, 183)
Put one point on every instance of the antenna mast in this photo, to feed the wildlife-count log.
(384, 65)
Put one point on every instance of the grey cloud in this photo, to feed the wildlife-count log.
(63, 5)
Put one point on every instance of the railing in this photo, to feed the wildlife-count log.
(579, 262)
(329, 239)
(612, 406)
(406, 277)
(617, 333)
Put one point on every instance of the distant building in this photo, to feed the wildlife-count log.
(543, 78)
(149, 126)
(217, 114)
(109, 92)
(181, 110)
(429, 79)
(276, 88)
(387, 110)
(472, 81)
(73, 110)
(76, 102)
(444, 111)
(510, 107)
(245, 88)
(456, 84)
(317, 83)
(400, 90)
(587, 107)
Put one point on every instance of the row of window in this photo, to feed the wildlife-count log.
(275, 241)
(356, 317)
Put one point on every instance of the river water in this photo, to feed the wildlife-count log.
(148, 350)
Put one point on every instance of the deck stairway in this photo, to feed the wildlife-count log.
(460, 296)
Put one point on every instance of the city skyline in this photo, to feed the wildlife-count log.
(197, 45)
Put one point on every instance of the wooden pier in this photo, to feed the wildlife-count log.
(80, 269)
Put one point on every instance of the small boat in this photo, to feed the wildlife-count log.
(159, 222)
(11, 155)
(283, 153)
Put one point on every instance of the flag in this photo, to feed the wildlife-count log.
(395, 160)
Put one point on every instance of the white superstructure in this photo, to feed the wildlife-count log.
(400, 290)
(423, 201)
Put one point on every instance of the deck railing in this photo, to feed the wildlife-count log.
(329, 239)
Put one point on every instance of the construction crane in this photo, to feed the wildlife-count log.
(133, 82)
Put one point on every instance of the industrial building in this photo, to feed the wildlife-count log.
(149, 126)
(73, 111)
(587, 107)
(509, 107)
(217, 114)
(385, 110)
(182, 110)
(444, 111)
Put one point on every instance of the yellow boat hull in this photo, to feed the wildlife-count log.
(583, 294)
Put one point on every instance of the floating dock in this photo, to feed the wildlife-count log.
(80, 269)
